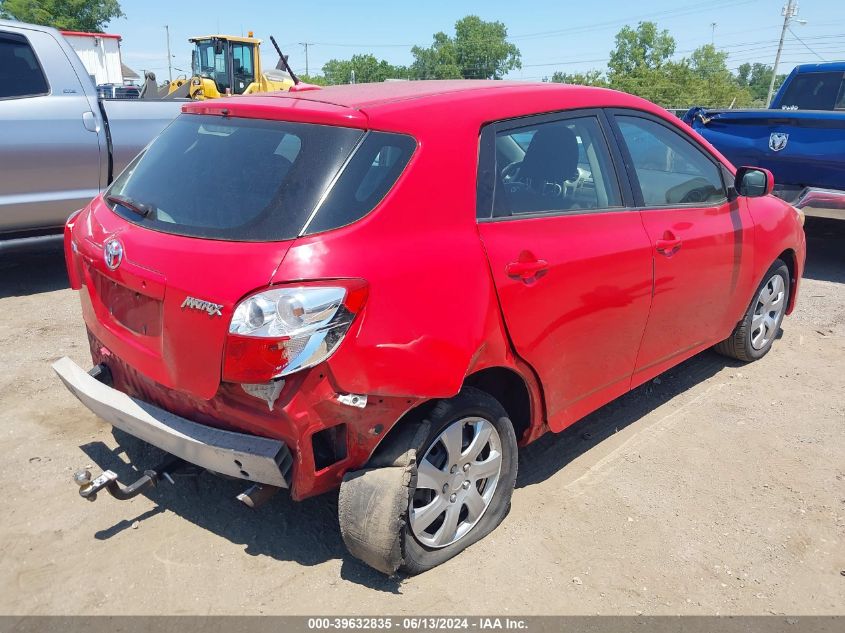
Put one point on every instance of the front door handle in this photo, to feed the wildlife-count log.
(527, 271)
(90, 122)
(669, 245)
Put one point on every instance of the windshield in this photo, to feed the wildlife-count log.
(232, 178)
(815, 91)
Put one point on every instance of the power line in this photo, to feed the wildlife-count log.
(805, 45)
(679, 12)
(683, 11)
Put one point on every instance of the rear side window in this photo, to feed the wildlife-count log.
(670, 169)
(367, 178)
(20, 72)
(815, 91)
(232, 178)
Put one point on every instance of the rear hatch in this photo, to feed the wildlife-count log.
(201, 218)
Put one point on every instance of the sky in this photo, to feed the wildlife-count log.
(552, 35)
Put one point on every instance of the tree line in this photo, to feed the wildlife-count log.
(477, 50)
(642, 63)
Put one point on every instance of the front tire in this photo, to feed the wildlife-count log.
(752, 337)
(466, 470)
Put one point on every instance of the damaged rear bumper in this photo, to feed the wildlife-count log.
(249, 457)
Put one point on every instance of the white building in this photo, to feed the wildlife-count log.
(100, 54)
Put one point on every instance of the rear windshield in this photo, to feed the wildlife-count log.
(815, 91)
(236, 179)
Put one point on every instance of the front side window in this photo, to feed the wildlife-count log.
(669, 168)
(554, 166)
(20, 72)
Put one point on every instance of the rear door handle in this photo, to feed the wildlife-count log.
(527, 270)
(669, 245)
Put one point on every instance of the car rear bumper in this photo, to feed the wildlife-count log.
(239, 455)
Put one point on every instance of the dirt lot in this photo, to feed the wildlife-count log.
(719, 488)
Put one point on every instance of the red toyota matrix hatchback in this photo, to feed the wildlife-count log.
(388, 288)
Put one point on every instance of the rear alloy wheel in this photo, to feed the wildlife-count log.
(466, 470)
(456, 480)
(752, 338)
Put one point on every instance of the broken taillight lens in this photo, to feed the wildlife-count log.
(277, 332)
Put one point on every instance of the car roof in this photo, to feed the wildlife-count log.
(831, 67)
(415, 106)
(373, 94)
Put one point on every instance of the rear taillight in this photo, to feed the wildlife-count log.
(72, 257)
(277, 332)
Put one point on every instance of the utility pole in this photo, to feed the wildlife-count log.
(169, 57)
(713, 26)
(306, 45)
(789, 11)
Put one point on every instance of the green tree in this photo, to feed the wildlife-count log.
(478, 50)
(438, 61)
(641, 63)
(589, 78)
(639, 50)
(757, 77)
(712, 83)
(71, 15)
(366, 69)
(316, 80)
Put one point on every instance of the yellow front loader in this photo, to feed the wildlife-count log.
(224, 65)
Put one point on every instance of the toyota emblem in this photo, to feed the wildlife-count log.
(113, 253)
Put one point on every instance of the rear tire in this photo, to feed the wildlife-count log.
(478, 416)
(753, 336)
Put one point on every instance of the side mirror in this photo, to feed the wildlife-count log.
(754, 182)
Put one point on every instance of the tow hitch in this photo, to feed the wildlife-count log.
(89, 487)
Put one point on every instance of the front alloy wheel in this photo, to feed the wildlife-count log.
(768, 311)
(753, 336)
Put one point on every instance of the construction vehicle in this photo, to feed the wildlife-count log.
(224, 65)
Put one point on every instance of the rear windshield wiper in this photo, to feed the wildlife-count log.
(140, 208)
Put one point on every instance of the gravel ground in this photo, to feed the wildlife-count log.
(718, 488)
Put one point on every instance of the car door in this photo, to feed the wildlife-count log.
(50, 146)
(571, 263)
(699, 238)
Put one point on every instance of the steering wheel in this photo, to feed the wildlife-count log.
(510, 172)
(694, 195)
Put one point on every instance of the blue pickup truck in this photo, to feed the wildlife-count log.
(800, 138)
